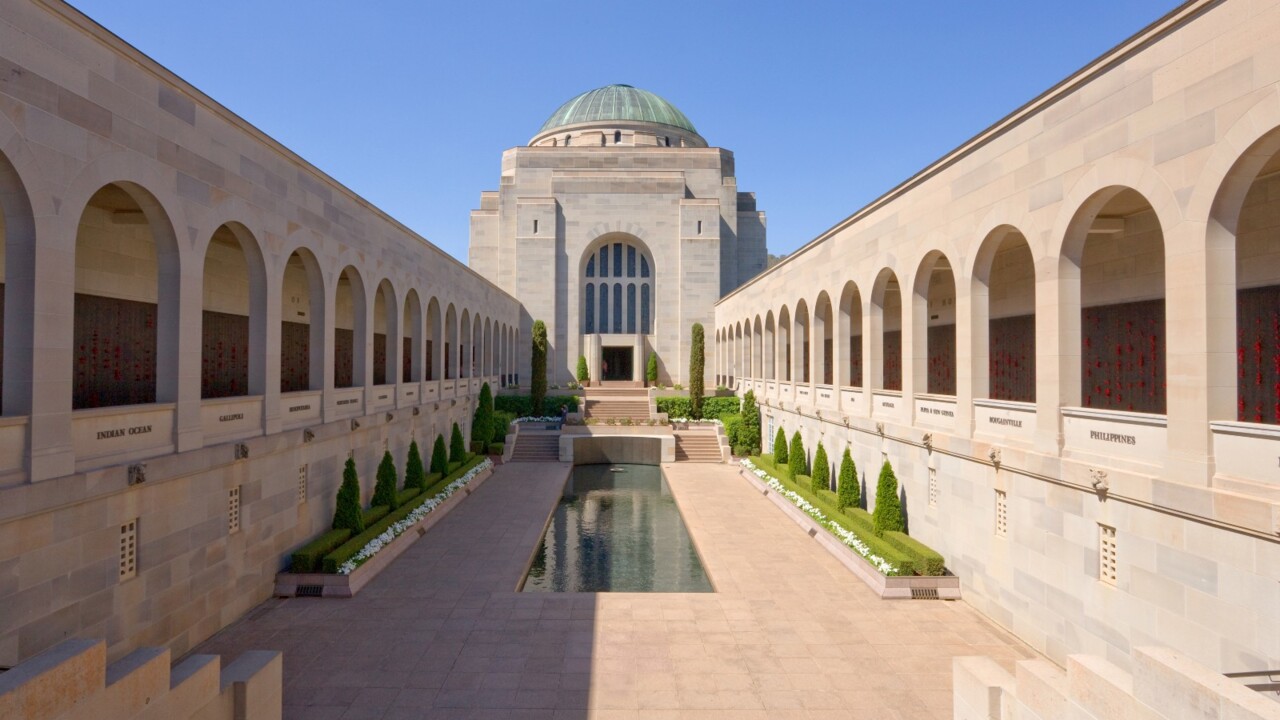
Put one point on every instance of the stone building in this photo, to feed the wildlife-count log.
(617, 201)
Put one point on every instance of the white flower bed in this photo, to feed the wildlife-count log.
(841, 533)
(537, 419)
(691, 421)
(397, 528)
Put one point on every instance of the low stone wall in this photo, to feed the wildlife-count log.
(1164, 685)
(612, 448)
(72, 681)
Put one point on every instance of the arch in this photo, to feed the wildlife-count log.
(233, 317)
(757, 350)
(475, 353)
(770, 347)
(302, 323)
(823, 335)
(350, 330)
(933, 308)
(434, 365)
(386, 334)
(17, 253)
(886, 331)
(450, 353)
(849, 332)
(784, 344)
(487, 355)
(619, 296)
(127, 276)
(411, 332)
(1003, 311)
(802, 358)
(464, 344)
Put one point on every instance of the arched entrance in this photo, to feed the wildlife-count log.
(616, 287)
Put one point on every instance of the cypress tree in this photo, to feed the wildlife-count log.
(347, 513)
(697, 363)
(651, 371)
(415, 476)
(750, 422)
(482, 423)
(847, 492)
(457, 446)
(384, 491)
(821, 478)
(439, 458)
(887, 515)
(780, 449)
(584, 375)
(795, 456)
(538, 368)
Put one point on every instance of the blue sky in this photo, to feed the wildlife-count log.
(825, 105)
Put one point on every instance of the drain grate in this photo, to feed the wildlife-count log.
(924, 593)
(310, 591)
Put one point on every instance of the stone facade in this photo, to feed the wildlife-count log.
(1043, 325)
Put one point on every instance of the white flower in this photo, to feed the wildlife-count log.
(398, 528)
(842, 534)
(537, 419)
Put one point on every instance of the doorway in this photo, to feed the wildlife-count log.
(616, 363)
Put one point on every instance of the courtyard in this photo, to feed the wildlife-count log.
(789, 632)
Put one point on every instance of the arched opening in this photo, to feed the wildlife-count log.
(934, 326)
(17, 280)
(1004, 318)
(886, 311)
(488, 349)
(757, 349)
(784, 343)
(851, 333)
(802, 360)
(770, 347)
(1115, 248)
(349, 331)
(434, 361)
(450, 356)
(822, 331)
(477, 338)
(384, 334)
(465, 368)
(616, 286)
(411, 354)
(233, 322)
(126, 261)
(302, 324)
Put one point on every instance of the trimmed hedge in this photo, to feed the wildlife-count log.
(347, 550)
(497, 448)
(374, 514)
(927, 560)
(406, 495)
(678, 406)
(522, 406)
(307, 558)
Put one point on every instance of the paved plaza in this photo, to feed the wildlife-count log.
(788, 633)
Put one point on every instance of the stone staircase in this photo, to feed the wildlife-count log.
(616, 403)
(535, 446)
(700, 444)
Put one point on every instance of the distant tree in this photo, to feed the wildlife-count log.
(887, 515)
(651, 372)
(780, 449)
(457, 446)
(584, 375)
(482, 423)
(821, 474)
(347, 513)
(439, 457)
(415, 476)
(697, 364)
(384, 491)
(538, 367)
(795, 456)
(847, 492)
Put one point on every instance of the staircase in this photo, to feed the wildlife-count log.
(535, 446)
(698, 445)
(616, 403)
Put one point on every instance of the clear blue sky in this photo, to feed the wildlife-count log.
(825, 104)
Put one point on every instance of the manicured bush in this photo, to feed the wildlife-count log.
(750, 420)
(538, 368)
(678, 406)
(347, 515)
(482, 423)
(497, 448)
(651, 370)
(457, 447)
(584, 375)
(502, 424)
(732, 428)
(406, 495)
(522, 405)
(439, 458)
(847, 491)
(887, 513)
(374, 514)
(821, 475)
(307, 558)
(697, 363)
(780, 448)
(415, 476)
(384, 491)
(925, 559)
(796, 459)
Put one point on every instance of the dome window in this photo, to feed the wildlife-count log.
(566, 140)
(617, 136)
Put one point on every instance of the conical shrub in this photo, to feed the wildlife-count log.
(887, 515)
(457, 447)
(750, 433)
(780, 449)
(347, 512)
(847, 492)
(384, 491)
(415, 476)
(821, 477)
(482, 423)
(439, 457)
(795, 457)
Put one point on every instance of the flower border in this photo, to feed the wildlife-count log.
(400, 526)
(841, 533)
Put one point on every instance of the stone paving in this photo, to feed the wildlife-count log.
(789, 632)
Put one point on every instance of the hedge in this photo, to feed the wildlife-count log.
(497, 448)
(307, 558)
(678, 406)
(374, 514)
(347, 550)
(406, 495)
(522, 406)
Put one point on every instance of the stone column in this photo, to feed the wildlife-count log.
(269, 352)
(179, 345)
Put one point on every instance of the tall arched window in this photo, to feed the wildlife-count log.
(630, 308)
(589, 317)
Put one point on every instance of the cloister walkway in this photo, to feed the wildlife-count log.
(788, 633)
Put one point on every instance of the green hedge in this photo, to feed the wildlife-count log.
(347, 550)
(901, 550)
(497, 448)
(678, 406)
(522, 406)
(406, 495)
(374, 514)
(307, 558)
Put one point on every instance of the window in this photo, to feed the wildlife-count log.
(535, 227)
(699, 227)
(617, 259)
(644, 309)
(631, 261)
(233, 510)
(302, 484)
(602, 142)
(617, 136)
(644, 266)
(631, 308)
(1002, 513)
(666, 141)
(1107, 554)
(129, 549)
(617, 307)
(933, 487)
(591, 266)
(604, 261)
(566, 141)
(589, 316)
(604, 308)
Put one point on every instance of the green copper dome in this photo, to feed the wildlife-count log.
(617, 102)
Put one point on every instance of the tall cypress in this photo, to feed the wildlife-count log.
(887, 514)
(439, 457)
(697, 362)
(538, 368)
(384, 491)
(347, 513)
(847, 491)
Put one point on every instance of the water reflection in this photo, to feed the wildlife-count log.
(616, 529)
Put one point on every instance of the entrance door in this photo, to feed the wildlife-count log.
(616, 363)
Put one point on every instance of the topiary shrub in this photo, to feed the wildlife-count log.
(457, 447)
(796, 457)
(439, 458)
(347, 515)
(584, 375)
(847, 492)
(415, 476)
(651, 370)
(538, 368)
(497, 448)
(482, 423)
(750, 435)
(887, 515)
(821, 477)
(780, 449)
(384, 491)
(697, 363)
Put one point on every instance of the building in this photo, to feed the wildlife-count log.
(617, 201)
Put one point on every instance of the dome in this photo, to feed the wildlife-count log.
(617, 102)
